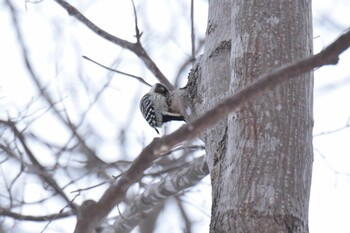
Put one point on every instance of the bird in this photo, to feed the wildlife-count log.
(155, 108)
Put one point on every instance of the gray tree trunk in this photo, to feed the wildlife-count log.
(260, 158)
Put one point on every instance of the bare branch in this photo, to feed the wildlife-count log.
(347, 125)
(193, 36)
(119, 72)
(156, 193)
(50, 217)
(335, 171)
(93, 186)
(115, 193)
(138, 34)
(44, 93)
(184, 215)
(43, 174)
(133, 47)
(172, 168)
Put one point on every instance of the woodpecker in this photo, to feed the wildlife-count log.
(155, 109)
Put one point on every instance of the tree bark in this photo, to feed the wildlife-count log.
(260, 158)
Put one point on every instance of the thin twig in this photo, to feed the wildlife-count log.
(138, 34)
(93, 186)
(49, 217)
(119, 72)
(335, 171)
(193, 36)
(57, 215)
(347, 125)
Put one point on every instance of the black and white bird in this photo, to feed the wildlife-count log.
(155, 109)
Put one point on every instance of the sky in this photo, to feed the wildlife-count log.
(57, 42)
(329, 202)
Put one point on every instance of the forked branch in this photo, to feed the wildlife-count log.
(136, 48)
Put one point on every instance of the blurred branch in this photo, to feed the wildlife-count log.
(137, 31)
(335, 171)
(50, 217)
(38, 168)
(119, 72)
(136, 48)
(347, 125)
(175, 166)
(65, 120)
(93, 186)
(184, 215)
(115, 193)
(188, 62)
(193, 36)
(154, 194)
(184, 147)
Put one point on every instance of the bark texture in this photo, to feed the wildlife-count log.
(210, 79)
(260, 158)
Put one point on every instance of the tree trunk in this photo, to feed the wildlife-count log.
(260, 158)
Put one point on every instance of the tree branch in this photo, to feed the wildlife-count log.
(44, 93)
(39, 169)
(119, 72)
(193, 36)
(137, 31)
(50, 217)
(116, 192)
(154, 194)
(133, 47)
